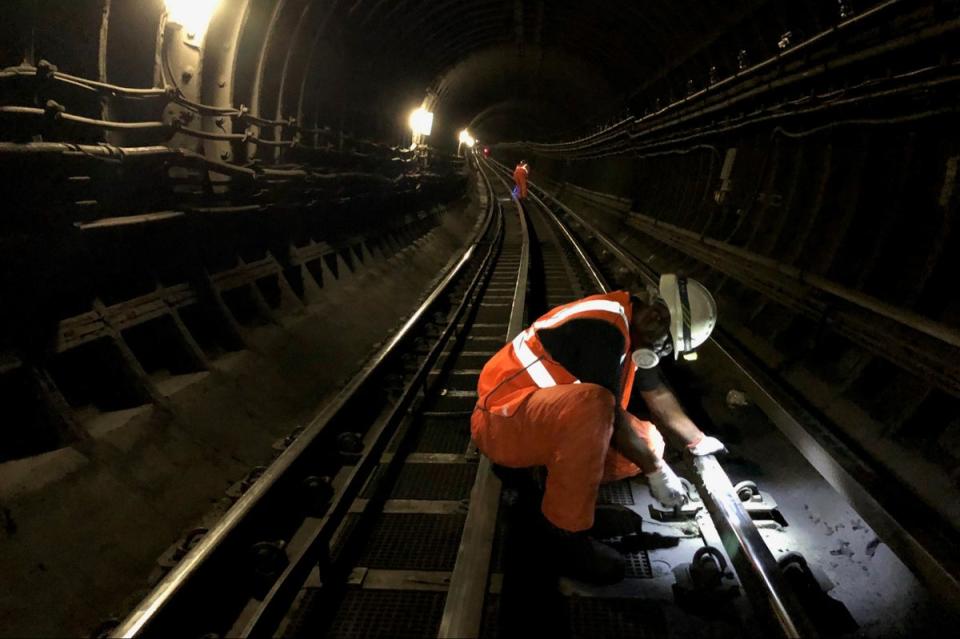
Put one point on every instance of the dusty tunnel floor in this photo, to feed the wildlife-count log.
(84, 526)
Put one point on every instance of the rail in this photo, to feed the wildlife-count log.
(463, 608)
(910, 527)
(755, 564)
(214, 561)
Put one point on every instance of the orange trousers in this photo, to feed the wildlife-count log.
(520, 179)
(566, 428)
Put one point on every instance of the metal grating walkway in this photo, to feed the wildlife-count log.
(387, 614)
(616, 493)
(443, 434)
(413, 541)
(430, 481)
(615, 619)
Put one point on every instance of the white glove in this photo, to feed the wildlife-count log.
(666, 487)
(707, 446)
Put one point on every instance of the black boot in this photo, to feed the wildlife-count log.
(580, 556)
(520, 486)
(614, 520)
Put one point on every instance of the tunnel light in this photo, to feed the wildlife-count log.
(466, 138)
(421, 122)
(193, 15)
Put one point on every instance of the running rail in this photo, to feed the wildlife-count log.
(149, 616)
(931, 556)
(463, 609)
(755, 564)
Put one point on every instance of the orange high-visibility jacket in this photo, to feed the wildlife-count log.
(520, 178)
(523, 365)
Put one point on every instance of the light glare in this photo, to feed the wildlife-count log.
(421, 121)
(466, 138)
(193, 15)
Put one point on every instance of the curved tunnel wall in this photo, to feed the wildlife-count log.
(869, 210)
(868, 206)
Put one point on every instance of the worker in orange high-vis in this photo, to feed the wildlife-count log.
(556, 396)
(520, 175)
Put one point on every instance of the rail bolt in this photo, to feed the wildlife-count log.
(746, 490)
(191, 539)
(708, 568)
(350, 443)
(268, 558)
(292, 436)
(252, 478)
(317, 493)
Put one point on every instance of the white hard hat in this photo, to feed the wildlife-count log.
(693, 311)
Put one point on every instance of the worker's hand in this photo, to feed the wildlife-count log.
(666, 487)
(707, 446)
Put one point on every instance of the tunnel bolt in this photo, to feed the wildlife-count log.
(45, 70)
(52, 110)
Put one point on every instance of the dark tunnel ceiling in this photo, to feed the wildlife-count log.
(540, 70)
(507, 66)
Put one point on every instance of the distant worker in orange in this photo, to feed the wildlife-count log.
(557, 394)
(520, 175)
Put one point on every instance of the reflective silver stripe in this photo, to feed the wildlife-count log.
(585, 307)
(534, 367)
